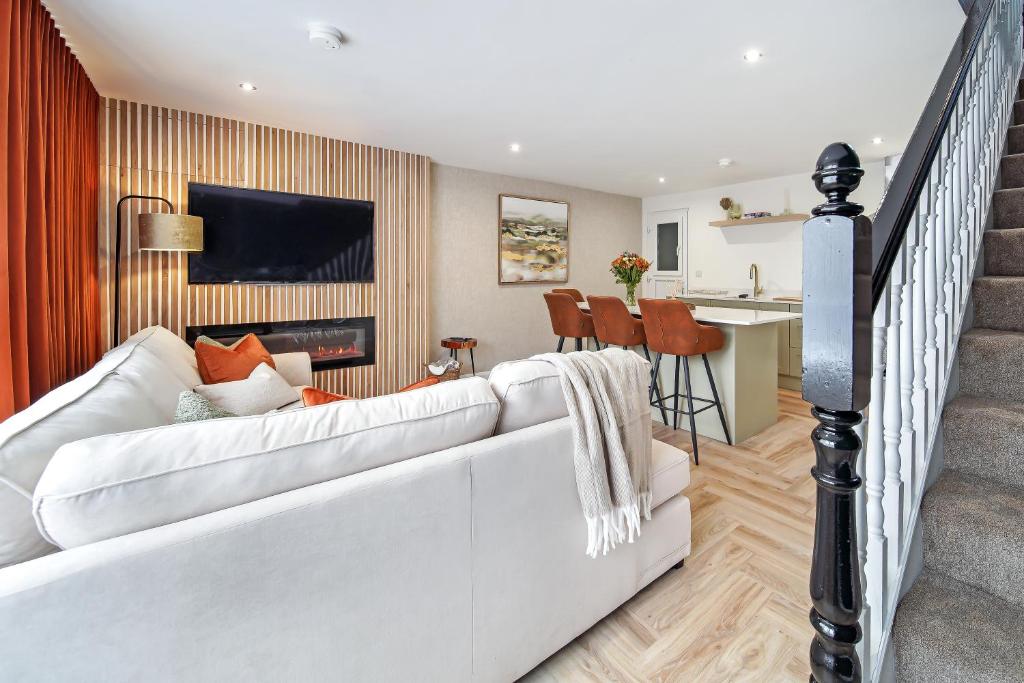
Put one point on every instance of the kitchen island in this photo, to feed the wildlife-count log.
(745, 369)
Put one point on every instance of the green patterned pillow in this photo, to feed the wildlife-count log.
(193, 408)
(213, 342)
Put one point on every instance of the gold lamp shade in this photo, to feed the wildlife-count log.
(170, 232)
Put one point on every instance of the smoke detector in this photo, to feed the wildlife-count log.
(326, 36)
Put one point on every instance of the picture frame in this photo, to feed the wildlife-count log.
(533, 240)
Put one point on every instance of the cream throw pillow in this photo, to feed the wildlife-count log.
(262, 391)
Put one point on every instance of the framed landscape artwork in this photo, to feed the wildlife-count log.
(533, 240)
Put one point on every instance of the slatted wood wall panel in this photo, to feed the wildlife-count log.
(158, 151)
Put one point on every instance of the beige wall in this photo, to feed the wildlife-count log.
(511, 321)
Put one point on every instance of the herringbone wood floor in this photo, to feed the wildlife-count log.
(737, 611)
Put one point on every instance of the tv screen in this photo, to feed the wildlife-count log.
(260, 236)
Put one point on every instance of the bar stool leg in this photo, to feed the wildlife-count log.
(657, 365)
(472, 361)
(655, 389)
(561, 343)
(579, 343)
(714, 393)
(689, 405)
(675, 403)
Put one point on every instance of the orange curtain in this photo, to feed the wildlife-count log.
(49, 299)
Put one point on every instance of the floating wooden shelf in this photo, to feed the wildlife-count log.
(784, 218)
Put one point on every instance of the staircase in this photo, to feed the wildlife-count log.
(963, 620)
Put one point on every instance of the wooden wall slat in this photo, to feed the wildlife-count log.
(156, 150)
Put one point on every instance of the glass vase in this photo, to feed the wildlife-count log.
(631, 294)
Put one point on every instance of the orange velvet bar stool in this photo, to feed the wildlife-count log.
(574, 293)
(671, 330)
(615, 325)
(567, 320)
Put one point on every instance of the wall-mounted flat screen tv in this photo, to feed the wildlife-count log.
(260, 236)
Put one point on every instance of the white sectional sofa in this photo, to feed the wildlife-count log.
(433, 535)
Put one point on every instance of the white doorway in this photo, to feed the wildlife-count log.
(665, 240)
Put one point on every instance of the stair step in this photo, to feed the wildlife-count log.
(1008, 208)
(991, 364)
(973, 533)
(1015, 139)
(1018, 112)
(1011, 169)
(984, 437)
(948, 631)
(999, 302)
(1004, 251)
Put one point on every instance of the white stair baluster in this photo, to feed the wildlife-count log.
(931, 351)
(908, 439)
(922, 416)
(955, 217)
(892, 423)
(876, 569)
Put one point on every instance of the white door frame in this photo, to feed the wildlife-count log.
(651, 241)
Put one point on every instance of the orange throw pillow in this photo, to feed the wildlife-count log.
(218, 363)
(311, 396)
(428, 382)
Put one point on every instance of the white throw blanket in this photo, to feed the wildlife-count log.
(606, 394)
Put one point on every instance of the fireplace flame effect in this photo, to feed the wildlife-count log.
(343, 351)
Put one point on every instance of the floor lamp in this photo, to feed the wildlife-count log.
(157, 232)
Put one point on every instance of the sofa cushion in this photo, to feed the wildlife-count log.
(670, 472)
(312, 396)
(134, 386)
(262, 391)
(193, 407)
(530, 393)
(112, 485)
(219, 363)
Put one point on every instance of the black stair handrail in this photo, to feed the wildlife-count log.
(890, 224)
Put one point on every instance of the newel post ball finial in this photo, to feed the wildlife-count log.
(836, 175)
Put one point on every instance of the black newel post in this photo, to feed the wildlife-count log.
(837, 382)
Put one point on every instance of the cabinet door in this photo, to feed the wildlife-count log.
(796, 328)
(796, 363)
(738, 303)
(783, 328)
(666, 231)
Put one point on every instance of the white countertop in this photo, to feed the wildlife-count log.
(762, 299)
(728, 316)
(739, 316)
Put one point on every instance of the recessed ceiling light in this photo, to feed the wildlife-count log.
(514, 147)
(725, 161)
(877, 140)
(661, 179)
(752, 56)
(247, 86)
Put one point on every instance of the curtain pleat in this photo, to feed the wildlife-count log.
(49, 297)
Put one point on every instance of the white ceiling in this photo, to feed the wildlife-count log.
(604, 95)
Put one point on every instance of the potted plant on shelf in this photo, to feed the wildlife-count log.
(733, 210)
(629, 269)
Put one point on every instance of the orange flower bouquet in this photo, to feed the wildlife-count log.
(629, 269)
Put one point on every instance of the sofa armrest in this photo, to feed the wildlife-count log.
(295, 367)
(337, 579)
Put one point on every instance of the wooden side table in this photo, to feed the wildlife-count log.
(453, 344)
